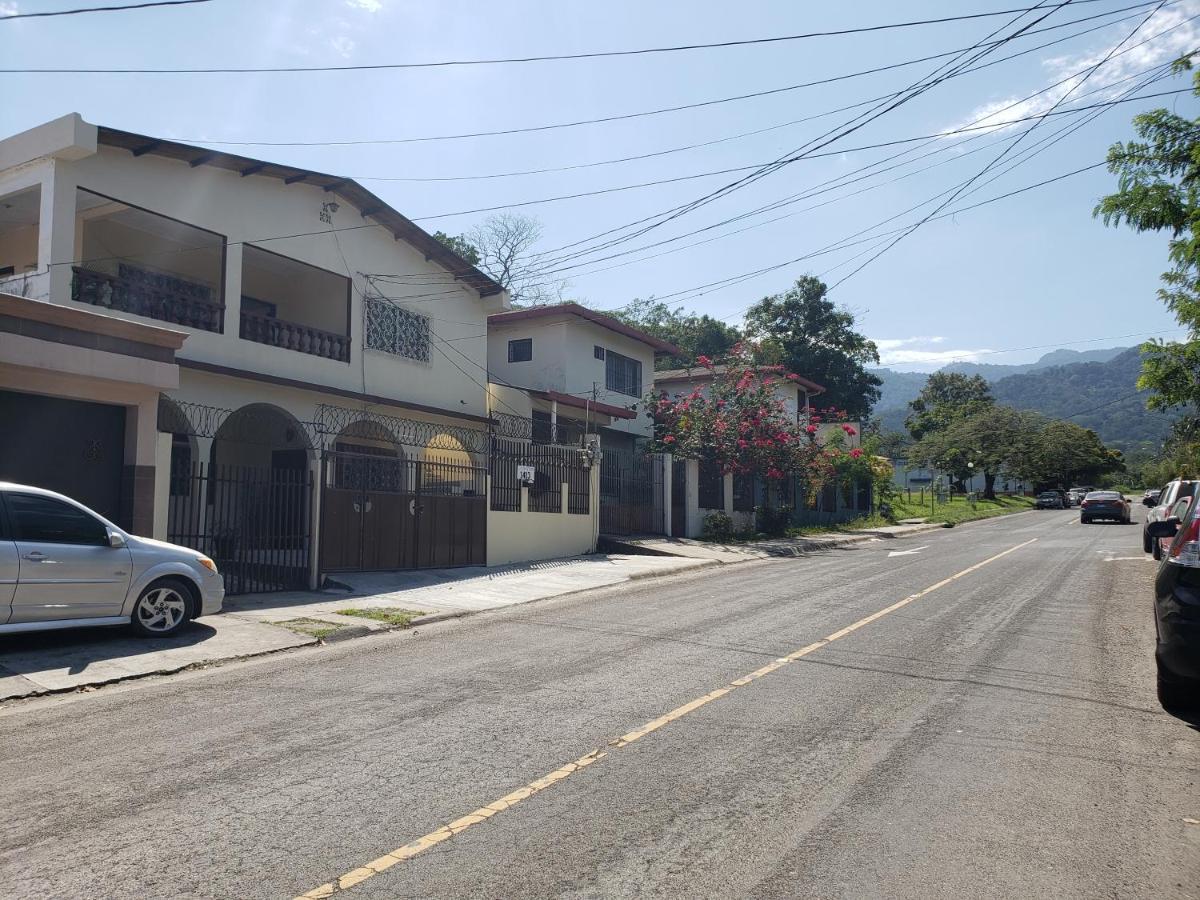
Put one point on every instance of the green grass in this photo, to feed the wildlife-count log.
(311, 627)
(401, 618)
(954, 512)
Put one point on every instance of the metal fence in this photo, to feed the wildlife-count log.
(553, 467)
(632, 493)
(254, 522)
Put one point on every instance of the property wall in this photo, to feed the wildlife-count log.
(527, 536)
(257, 209)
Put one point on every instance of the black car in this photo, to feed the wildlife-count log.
(1051, 500)
(1104, 505)
(1177, 616)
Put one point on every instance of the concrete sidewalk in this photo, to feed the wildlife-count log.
(256, 624)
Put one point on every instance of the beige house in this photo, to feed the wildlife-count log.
(577, 365)
(227, 352)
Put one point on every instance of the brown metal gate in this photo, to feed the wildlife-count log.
(384, 511)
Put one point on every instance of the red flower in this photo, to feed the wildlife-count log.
(856, 452)
(849, 429)
(669, 439)
(704, 361)
(812, 429)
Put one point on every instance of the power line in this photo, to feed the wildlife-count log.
(598, 54)
(94, 9)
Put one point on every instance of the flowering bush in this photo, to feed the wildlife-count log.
(740, 424)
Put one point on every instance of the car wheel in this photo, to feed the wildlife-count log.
(162, 609)
(1178, 698)
(1146, 545)
(1156, 550)
(1083, 521)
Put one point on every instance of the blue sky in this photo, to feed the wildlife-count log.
(1031, 271)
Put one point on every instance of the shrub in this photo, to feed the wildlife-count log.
(772, 521)
(718, 527)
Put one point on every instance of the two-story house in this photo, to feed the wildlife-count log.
(577, 365)
(226, 352)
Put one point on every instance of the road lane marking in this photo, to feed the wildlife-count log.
(907, 552)
(421, 844)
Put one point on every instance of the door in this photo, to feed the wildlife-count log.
(9, 567)
(66, 568)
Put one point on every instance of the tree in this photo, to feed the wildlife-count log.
(990, 440)
(502, 247)
(1158, 189)
(947, 396)
(695, 335)
(1070, 454)
(803, 331)
(460, 245)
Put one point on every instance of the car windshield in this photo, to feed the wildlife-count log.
(1048, 495)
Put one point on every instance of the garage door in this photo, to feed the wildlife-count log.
(69, 446)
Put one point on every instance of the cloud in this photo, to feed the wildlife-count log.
(1111, 78)
(371, 6)
(7, 8)
(342, 45)
(917, 353)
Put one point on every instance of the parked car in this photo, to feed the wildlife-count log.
(1104, 505)
(1150, 497)
(1168, 496)
(1177, 615)
(1074, 497)
(64, 566)
(1051, 500)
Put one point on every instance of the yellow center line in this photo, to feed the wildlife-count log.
(421, 844)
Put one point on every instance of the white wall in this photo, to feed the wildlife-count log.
(527, 536)
(254, 208)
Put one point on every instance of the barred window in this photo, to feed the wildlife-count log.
(622, 374)
(395, 330)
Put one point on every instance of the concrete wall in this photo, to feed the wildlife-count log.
(255, 209)
(528, 536)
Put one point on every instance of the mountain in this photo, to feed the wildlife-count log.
(1096, 388)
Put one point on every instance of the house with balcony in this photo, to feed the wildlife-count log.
(237, 352)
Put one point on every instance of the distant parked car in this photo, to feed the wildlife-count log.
(1177, 615)
(1051, 500)
(1074, 497)
(1168, 496)
(1104, 505)
(64, 566)
(1150, 497)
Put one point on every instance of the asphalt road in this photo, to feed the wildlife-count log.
(996, 736)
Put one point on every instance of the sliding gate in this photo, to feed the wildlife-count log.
(385, 511)
(632, 492)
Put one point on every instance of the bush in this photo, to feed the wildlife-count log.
(772, 521)
(718, 527)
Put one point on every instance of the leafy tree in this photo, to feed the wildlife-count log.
(1158, 189)
(990, 440)
(946, 397)
(803, 331)
(1070, 454)
(460, 245)
(696, 335)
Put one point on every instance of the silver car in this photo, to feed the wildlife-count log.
(64, 566)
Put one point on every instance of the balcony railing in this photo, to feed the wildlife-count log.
(150, 294)
(293, 336)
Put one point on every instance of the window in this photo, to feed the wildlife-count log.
(49, 521)
(520, 350)
(622, 374)
(598, 352)
(395, 330)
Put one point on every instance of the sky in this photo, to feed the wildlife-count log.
(1003, 283)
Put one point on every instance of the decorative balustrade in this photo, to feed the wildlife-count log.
(154, 295)
(293, 336)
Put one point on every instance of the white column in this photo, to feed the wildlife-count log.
(693, 526)
(162, 485)
(554, 421)
(667, 469)
(56, 230)
(727, 494)
(233, 289)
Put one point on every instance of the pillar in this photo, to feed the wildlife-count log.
(666, 460)
(693, 524)
(56, 231)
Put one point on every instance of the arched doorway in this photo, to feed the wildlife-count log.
(258, 500)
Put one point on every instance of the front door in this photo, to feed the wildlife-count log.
(66, 568)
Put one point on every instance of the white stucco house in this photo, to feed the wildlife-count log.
(577, 364)
(224, 352)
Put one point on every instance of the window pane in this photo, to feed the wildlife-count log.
(622, 374)
(397, 331)
(50, 521)
(520, 350)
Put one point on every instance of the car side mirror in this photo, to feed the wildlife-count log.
(1167, 528)
(116, 540)
(1146, 501)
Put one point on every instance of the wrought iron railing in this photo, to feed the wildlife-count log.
(294, 336)
(162, 297)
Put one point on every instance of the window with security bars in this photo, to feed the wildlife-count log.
(397, 331)
(622, 374)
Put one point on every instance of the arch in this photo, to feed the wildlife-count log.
(367, 456)
(447, 467)
(261, 436)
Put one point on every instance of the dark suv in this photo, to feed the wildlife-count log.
(1051, 500)
(1177, 615)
